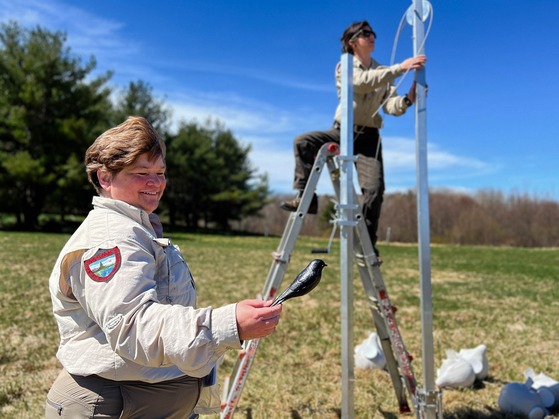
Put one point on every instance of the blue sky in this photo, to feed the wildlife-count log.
(266, 71)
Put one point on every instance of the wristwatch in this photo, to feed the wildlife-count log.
(407, 101)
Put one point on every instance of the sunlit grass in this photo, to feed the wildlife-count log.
(506, 298)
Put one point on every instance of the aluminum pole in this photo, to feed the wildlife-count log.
(429, 396)
(346, 214)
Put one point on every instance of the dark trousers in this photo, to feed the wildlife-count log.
(370, 170)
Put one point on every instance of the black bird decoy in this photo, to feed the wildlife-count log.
(304, 283)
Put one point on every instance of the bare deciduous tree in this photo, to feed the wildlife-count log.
(485, 218)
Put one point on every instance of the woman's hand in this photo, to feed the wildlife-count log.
(256, 319)
(412, 95)
(414, 63)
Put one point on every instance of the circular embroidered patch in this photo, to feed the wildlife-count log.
(103, 265)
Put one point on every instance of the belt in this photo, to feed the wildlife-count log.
(356, 128)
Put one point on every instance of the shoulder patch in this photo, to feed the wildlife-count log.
(103, 265)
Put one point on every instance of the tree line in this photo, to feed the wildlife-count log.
(487, 217)
(52, 108)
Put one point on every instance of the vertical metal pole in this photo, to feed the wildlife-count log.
(346, 235)
(430, 397)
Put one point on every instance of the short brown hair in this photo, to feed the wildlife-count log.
(120, 146)
(350, 33)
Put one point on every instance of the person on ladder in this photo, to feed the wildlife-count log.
(372, 89)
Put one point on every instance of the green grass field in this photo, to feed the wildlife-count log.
(506, 298)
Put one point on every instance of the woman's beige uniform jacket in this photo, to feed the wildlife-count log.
(124, 300)
(372, 88)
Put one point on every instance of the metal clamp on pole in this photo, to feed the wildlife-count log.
(344, 159)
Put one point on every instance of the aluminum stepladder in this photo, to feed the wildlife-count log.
(398, 360)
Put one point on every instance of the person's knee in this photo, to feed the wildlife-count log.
(301, 139)
(374, 195)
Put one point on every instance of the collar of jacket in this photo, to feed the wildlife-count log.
(358, 63)
(150, 221)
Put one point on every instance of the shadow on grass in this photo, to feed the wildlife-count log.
(296, 415)
(467, 413)
(488, 413)
(338, 413)
(387, 415)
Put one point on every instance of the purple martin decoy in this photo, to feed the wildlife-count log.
(304, 283)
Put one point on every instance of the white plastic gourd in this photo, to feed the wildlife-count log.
(369, 354)
(536, 398)
(463, 368)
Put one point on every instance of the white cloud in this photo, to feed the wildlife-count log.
(234, 118)
(91, 35)
(400, 153)
(87, 34)
(270, 131)
(93, 32)
(245, 116)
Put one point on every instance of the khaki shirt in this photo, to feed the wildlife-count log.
(125, 302)
(371, 87)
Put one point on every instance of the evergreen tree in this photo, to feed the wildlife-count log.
(138, 100)
(50, 111)
(189, 162)
(210, 178)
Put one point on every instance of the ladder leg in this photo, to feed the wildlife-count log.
(384, 336)
(375, 289)
(391, 363)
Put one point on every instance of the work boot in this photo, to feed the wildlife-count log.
(293, 204)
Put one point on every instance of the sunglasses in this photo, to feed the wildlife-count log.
(365, 33)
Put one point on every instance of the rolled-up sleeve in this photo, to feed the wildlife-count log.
(367, 80)
(394, 104)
